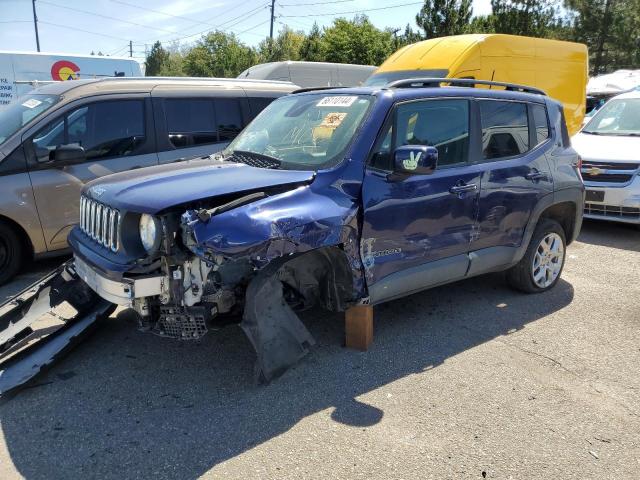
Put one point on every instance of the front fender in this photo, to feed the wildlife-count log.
(280, 225)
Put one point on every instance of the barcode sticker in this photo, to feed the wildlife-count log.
(31, 103)
(337, 101)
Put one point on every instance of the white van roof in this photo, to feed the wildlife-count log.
(60, 54)
(612, 83)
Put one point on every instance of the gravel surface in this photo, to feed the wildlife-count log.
(470, 380)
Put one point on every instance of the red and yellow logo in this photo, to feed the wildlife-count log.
(65, 70)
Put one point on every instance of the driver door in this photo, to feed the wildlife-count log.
(417, 230)
(115, 136)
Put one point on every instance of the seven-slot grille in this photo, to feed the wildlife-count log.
(611, 172)
(100, 222)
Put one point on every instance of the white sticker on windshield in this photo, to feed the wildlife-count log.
(31, 103)
(337, 101)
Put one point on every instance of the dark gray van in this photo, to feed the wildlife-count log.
(62, 135)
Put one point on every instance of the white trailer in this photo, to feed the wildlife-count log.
(21, 72)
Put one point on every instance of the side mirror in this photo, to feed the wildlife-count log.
(415, 160)
(69, 154)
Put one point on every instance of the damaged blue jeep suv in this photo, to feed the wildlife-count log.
(335, 198)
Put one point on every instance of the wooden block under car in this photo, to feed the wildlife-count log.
(358, 326)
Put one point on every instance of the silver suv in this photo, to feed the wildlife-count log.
(62, 135)
(610, 148)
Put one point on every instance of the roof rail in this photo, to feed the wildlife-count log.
(200, 79)
(313, 89)
(461, 82)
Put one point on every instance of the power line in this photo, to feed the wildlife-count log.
(118, 50)
(251, 28)
(242, 18)
(81, 30)
(353, 11)
(200, 22)
(86, 12)
(314, 3)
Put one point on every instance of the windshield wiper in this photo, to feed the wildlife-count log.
(254, 159)
(591, 133)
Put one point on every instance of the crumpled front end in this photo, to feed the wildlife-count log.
(260, 256)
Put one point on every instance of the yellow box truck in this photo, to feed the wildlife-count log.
(559, 68)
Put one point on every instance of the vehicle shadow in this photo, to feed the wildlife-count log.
(609, 234)
(130, 405)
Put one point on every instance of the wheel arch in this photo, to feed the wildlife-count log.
(323, 275)
(565, 214)
(29, 250)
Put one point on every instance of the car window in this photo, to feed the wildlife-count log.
(302, 132)
(443, 124)
(540, 123)
(103, 129)
(30, 106)
(190, 121)
(618, 117)
(258, 104)
(109, 129)
(47, 139)
(228, 117)
(505, 129)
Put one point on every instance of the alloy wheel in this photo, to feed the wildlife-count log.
(547, 261)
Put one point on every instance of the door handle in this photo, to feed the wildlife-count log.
(461, 187)
(535, 176)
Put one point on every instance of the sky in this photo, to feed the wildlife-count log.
(80, 27)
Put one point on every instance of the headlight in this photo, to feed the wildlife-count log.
(150, 232)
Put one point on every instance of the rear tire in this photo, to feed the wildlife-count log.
(540, 268)
(11, 253)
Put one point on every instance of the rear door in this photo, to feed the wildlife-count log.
(515, 139)
(197, 124)
(116, 134)
(417, 231)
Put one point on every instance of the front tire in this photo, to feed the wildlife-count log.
(540, 268)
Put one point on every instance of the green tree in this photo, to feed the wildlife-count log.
(286, 46)
(155, 60)
(312, 48)
(356, 41)
(611, 30)
(439, 18)
(173, 67)
(407, 37)
(218, 54)
(533, 18)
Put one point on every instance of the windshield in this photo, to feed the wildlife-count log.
(617, 117)
(383, 78)
(22, 112)
(302, 132)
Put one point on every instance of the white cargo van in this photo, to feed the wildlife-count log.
(21, 72)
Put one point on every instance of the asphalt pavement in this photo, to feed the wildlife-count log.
(470, 380)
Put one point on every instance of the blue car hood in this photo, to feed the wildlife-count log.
(153, 189)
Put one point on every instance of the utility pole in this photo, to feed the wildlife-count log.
(395, 37)
(273, 7)
(131, 48)
(35, 23)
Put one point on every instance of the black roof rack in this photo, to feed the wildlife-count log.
(463, 82)
(313, 89)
